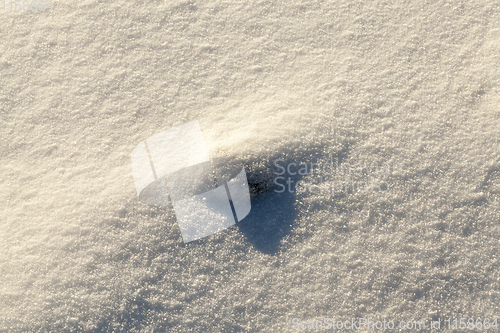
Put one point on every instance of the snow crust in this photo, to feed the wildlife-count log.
(409, 83)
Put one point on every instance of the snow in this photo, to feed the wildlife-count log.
(410, 83)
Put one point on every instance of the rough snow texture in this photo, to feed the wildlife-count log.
(411, 82)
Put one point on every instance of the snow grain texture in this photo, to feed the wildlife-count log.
(408, 82)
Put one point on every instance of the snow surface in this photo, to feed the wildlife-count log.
(404, 82)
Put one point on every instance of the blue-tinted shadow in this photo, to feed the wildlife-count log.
(270, 219)
(274, 210)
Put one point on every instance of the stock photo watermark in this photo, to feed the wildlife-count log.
(27, 5)
(400, 325)
(333, 177)
(205, 200)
